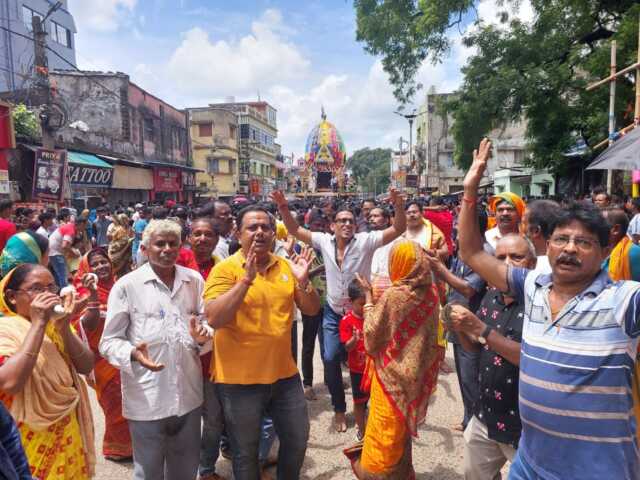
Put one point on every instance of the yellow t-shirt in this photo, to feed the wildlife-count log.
(255, 347)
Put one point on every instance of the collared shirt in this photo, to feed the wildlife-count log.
(492, 236)
(475, 281)
(222, 248)
(142, 309)
(255, 347)
(357, 259)
(576, 403)
(497, 404)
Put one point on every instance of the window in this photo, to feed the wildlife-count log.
(213, 165)
(60, 34)
(233, 131)
(27, 17)
(244, 130)
(232, 166)
(149, 133)
(205, 130)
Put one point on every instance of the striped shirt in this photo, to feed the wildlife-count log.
(576, 403)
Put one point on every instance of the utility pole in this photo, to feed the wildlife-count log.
(41, 66)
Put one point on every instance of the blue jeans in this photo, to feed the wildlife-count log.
(267, 437)
(332, 357)
(467, 364)
(212, 426)
(59, 267)
(521, 470)
(244, 408)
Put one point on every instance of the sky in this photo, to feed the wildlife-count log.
(296, 55)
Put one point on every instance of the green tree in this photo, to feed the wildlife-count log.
(371, 168)
(25, 123)
(536, 71)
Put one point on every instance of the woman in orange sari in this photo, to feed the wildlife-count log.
(116, 445)
(401, 339)
(40, 362)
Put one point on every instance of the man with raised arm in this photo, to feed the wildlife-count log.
(345, 253)
(579, 341)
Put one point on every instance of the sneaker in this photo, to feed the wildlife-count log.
(309, 394)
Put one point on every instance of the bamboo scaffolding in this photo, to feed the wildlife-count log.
(613, 77)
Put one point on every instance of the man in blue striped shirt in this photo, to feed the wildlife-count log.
(578, 350)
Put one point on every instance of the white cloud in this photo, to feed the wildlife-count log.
(258, 60)
(101, 15)
(489, 11)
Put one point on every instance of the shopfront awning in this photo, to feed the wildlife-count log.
(87, 160)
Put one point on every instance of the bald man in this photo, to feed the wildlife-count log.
(491, 437)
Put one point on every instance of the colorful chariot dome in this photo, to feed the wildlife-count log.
(325, 150)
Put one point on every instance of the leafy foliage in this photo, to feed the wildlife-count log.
(371, 168)
(536, 71)
(25, 122)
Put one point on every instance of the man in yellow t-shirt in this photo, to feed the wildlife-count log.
(250, 300)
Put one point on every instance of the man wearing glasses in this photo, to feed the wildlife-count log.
(579, 343)
(345, 253)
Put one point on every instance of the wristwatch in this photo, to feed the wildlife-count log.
(483, 337)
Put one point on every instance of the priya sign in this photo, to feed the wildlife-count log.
(89, 176)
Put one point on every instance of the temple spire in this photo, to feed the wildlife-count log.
(323, 115)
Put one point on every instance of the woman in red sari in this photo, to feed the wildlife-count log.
(106, 379)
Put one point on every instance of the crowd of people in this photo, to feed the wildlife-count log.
(184, 321)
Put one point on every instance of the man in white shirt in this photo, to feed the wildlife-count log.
(508, 209)
(538, 223)
(380, 219)
(345, 253)
(46, 221)
(151, 335)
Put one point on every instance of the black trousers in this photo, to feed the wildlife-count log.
(310, 327)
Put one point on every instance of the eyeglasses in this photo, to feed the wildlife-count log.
(37, 290)
(561, 241)
(345, 221)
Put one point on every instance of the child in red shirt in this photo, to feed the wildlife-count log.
(351, 335)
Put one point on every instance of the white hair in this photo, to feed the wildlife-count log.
(159, 227)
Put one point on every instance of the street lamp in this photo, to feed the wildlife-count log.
(410, 117)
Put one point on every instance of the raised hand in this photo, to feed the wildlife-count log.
(198, 331)
(364, 283)
(461, 319)
(70, 307)
(278, 198)
(141, 355)
(435, 261)
(90, 281)
(250, 264)
(480, 158)
(300, 264)
(395, 196)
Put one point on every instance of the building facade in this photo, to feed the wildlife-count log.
(435, 148)
(16, 46)
(214, 150)
(113, 123)
(260, 165)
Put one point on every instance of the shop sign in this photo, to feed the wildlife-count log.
(167, 180)
(412, 181)
(189, 180)
(48, 175)
(90, 176)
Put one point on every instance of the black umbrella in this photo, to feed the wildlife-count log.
(624, 154)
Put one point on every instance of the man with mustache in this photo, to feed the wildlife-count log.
(250, 299)
(151, 334)
(508, 209)
(345, 253)
(579, 342)
(494, 333)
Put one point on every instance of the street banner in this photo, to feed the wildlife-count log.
(49, 174)
(167, 179)
(88, 176)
